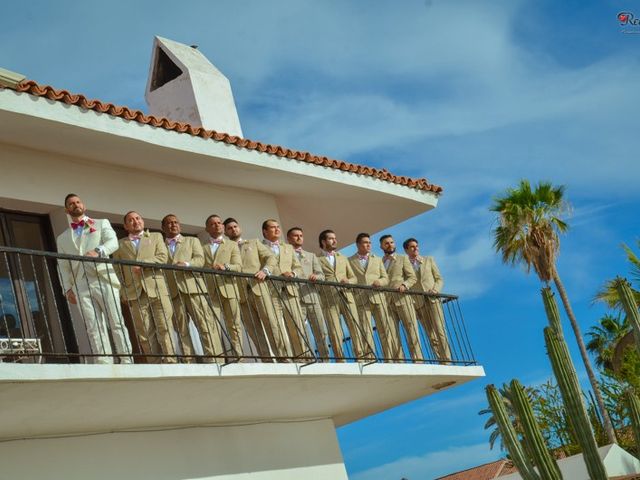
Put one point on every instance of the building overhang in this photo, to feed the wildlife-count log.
(47, 400)
(324, 197)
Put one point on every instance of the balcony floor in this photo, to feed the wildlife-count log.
(47, 400)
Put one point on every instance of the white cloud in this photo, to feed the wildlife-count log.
(432, 464)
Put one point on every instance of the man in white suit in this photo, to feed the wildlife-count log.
(93, 286)
(429, 308)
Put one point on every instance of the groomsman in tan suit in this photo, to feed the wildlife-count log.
(94, 287)
(401, 278)
(370, 271)
(189, 292)
(145, 289)
(223, 254)
(429, 309)
(285, 295)
(336, 268)
(309, 296)
(258, 312)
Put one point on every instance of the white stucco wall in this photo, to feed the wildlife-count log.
(279, 451)
(109, 191)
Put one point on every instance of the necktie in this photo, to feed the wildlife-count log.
(79, 224)
(217, 241)
(134, 238)
(298, 252)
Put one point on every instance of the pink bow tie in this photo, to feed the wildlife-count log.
(133, 238)
(171, 241)
(215, 240)
(79, 224)
(363, 257)
(329, 254)
(298, 250)
(273, 244)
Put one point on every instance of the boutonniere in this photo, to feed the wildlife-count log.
(89, 225)
(145, 233)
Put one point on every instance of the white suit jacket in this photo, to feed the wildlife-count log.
(81, 274)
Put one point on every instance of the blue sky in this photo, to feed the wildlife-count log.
(472, 95)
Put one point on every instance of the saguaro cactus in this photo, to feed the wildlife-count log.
(630, 306)
(572, 398)
(509, 435)
(534, 442)
(633, 404)
(551, 308)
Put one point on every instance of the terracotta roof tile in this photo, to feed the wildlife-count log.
(488, 471)
(35, 89)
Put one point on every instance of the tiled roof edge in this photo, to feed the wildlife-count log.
(33, 88)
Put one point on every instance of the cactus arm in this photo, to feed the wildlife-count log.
(509, 435)
(537, 448)
(572, 398)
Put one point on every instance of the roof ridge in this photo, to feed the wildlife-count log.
(33, 88)
(474, 468)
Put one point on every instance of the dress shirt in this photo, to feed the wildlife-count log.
(214, 243)
(274, 246)
(172, 243)
(331, 258)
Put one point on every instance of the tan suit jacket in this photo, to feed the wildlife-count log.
(429, 278)
(151, 249)
(256, 256)
(227, 254)
(187, 250)
(310, 264)
(375, 271)
(341, 271)
(73, 273)
(401, 272)
(287, 261)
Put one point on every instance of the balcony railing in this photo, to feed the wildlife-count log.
(169, 314)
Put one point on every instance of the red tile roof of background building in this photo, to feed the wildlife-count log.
(488, 471)
(33, 88)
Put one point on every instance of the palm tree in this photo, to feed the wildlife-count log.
(608, 294)
(528, 233)
(603, 339)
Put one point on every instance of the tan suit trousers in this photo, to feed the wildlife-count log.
(152, 321)
(431, 318)
(229, 310)
(403, 311)
(315, 317)
(334, 305)
(263, 324)
(195, 305)
(386, 327)
(288, 307)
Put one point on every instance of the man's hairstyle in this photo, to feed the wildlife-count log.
(323, 236)
(69, 195)
(124, 219)
(215, 215)
(361, 236)
(384, 237)
(230, 220)
(406, 243)
(293, 229)
(164, 219)
(266, 222)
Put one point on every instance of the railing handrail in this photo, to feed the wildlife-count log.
(165, 266)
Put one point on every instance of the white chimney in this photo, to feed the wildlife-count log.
(184, 86)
